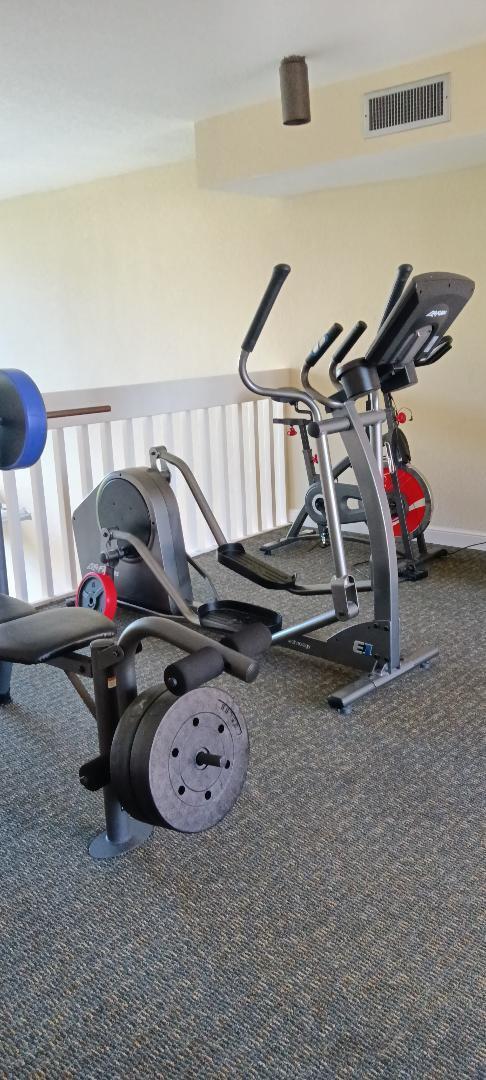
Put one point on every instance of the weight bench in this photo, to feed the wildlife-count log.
(175, 755)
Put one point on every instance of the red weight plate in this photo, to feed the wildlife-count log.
(416, 498)
(98, 592)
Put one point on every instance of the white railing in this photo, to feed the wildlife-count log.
(226, 435)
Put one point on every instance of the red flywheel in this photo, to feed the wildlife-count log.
(416, 496)
(97, 592)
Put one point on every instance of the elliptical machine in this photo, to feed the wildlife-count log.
(132, 517)
(409, 495)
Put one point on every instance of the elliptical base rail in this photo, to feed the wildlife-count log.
(343, 700)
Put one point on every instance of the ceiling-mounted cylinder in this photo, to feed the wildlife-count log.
(294, 90)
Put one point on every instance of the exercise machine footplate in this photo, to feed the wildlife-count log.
(229, 616)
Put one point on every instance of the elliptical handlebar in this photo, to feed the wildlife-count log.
(401, 278)
(289, 395)
(279, 274)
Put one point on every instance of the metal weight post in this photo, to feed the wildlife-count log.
(5, 666)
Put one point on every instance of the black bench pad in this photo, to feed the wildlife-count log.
(45, 634)
(11, 608)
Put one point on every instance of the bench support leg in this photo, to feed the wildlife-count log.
(122, 833)
(5, 666)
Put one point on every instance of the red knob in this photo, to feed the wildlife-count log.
(292, 430)
(315, 459)
(401, 418)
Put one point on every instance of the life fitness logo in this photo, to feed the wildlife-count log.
(436, 313)
(363, 648)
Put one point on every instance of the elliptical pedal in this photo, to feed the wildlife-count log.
(231, 616)
(234, 557)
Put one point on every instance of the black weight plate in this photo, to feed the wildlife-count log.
(121, 747)
(120, 505)
(163, 770)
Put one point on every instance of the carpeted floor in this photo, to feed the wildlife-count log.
(329, 927)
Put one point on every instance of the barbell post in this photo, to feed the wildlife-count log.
(205, 758)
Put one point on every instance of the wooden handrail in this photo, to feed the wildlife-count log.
(58, 414)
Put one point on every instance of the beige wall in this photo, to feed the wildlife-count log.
(136, 278)
(147, 277)
(344, 246)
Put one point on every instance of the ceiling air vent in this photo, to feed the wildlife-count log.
(411, 105)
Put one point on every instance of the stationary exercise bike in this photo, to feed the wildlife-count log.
(411, 513)
(408, 492)
(132, 516)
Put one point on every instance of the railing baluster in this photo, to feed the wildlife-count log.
(265, 464)
(14, 533)
(128, 443)
(183, 442)
(218, 465)
(165, 437)
(148, 434)
(248, 418)
(84, 453)
(64, 503)
(235, 486)
(106, 447)
(41, 530)
(200, 442)
(279, 483)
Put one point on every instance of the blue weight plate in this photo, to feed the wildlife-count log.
(23, 420)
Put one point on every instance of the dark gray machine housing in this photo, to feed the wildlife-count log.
(139, 501)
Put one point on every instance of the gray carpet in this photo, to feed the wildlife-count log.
(329, 927)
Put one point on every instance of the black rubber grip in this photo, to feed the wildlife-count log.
(252, 640)
(279, 273)
(443, 346)
(193, 670)
(347, 344)
(402, 276)
(323, 345)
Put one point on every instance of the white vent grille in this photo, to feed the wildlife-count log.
(411, 105)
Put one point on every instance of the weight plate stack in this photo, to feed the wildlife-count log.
(180, 762)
